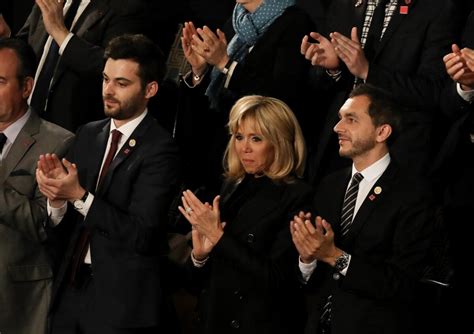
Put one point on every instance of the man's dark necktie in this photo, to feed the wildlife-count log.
(347, 213)
(41, 91)
(82, 244)
(3, 140)
(349, 203)
(375, 31)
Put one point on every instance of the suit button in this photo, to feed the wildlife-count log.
(336, 276)
(234, 324)
(250, 238)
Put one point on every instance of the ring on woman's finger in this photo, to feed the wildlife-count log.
(189, 210)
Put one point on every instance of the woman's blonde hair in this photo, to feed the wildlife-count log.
(275, 121)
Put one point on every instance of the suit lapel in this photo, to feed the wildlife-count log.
(395, 22)
(38, 37)
(96, 156)
(94, 12)
(359, 16)
(132, 144)
(22, 144)
(383, 185)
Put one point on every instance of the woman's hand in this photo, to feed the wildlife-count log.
(204, 218)
(197, 62)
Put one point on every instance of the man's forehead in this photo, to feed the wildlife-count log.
(356, 104)
(9, 61)
(121, 67)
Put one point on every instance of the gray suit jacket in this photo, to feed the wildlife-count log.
(25, 269)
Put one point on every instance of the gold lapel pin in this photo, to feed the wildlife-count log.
(377, 190)
(132, 142)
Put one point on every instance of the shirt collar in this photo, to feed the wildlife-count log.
(375, 170)
(14, 129)
(128, 128)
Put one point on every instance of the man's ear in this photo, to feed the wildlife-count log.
(383, 132)
(27, 87)
(151, 89)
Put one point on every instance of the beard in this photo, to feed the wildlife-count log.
(359, 147)
(125, 109)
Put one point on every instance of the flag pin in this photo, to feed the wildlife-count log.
(403, 10)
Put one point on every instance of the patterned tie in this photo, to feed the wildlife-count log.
(83, 242)
(41, 91)
(375, 31)
(349, 203)
(346, 221)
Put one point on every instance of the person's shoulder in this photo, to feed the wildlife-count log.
(124, 7)
(297, 16)
(54, 131)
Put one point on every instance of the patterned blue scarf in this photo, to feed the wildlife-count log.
(248, 27)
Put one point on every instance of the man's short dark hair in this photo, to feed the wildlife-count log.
(141, 50)
(27, 60)
(383, 108)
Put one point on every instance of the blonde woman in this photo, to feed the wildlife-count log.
(246, 269)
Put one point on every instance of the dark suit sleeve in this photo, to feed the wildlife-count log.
(421, 87)
(27, 212)
(139, 223)
(273, 266)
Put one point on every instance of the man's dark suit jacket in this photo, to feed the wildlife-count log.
(127, 220)
(454, 168)
(408, 63)
(248, 283)
(388, 241)
(74, 98)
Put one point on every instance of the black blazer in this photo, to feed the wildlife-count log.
(408, 63)
(127, 220)
(388, 240)
(75, 94)
(248, 284)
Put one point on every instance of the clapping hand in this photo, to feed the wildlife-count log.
(205, 221)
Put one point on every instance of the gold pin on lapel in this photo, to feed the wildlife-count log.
(132, 142)
(377, 190)
(358, 3)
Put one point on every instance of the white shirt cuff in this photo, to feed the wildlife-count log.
(466, 95)
(229, 74)
(198, 263)
(56, 214)
(306, 269)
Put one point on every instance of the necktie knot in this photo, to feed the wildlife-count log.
(356, 178)
(116, 135)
